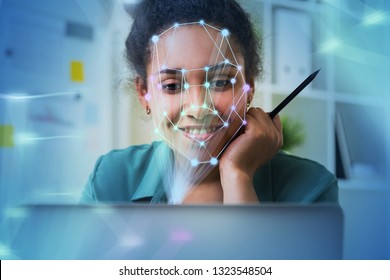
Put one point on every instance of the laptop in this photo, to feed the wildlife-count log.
(143, 232)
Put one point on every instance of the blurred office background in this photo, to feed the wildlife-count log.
(65, 99)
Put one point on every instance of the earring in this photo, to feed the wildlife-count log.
(248, 102)
(148, 111)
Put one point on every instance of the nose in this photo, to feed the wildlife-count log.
(196, 102)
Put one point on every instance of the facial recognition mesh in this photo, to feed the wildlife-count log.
(197, 111)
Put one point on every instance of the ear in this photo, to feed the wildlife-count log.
(251, 93)
(141, 88)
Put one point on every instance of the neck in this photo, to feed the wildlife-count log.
(204, 182)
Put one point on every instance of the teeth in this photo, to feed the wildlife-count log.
(201, 131)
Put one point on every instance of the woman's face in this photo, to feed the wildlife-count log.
(196, 90)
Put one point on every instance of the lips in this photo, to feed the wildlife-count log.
(199, 133)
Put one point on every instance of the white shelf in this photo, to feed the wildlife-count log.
(333, 91)
(363, 184)
(350, 98)
(308, 92)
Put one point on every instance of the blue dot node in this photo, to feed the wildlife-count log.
(227, 61)
(206, 84)
(233, 81)
(244, 122)
(165, 113)
(201, 22)
(175, 127)
(204, 106)
(176, 25)
(233, 107)
(206, 68)
(182, 113)
(194, 162)
(156, 131)
(215, 112)
(213, 161)
(186, 86)
(201, 143)
(155, 39)
(225, 32)
(225, 124)
(183, 71)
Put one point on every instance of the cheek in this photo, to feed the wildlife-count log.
(165, 107)
(223, 104)
(226, 103)
(173, 108)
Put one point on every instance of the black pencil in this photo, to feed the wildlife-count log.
(293, 94)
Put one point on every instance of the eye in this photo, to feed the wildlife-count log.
(171, 87)
(220, 84)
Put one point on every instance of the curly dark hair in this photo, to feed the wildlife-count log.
(153, 16)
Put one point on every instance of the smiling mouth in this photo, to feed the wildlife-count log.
(201, 133)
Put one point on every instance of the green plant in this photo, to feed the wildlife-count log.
(293, 133)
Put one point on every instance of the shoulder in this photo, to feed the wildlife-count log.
(291, 164)
(297, 179)
(124, 162)
(117, 174)
(135, 155)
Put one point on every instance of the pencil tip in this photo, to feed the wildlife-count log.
(316, 72)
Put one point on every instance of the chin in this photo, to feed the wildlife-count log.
(202, 146)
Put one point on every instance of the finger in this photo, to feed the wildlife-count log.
(262, 117)
(277, 123)
(279, 127)
(258, 114)
(255, 119)
(258, 119)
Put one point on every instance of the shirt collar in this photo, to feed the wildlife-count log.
(151, 185)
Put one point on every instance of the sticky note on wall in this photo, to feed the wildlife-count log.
(76, 71)
(6, 136)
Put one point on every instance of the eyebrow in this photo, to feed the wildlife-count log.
(211, 68)
(173, 71)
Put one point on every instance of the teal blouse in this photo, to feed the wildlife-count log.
(136, 174)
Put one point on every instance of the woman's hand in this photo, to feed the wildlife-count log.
(252, 149)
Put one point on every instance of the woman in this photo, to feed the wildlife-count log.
(196, 62)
